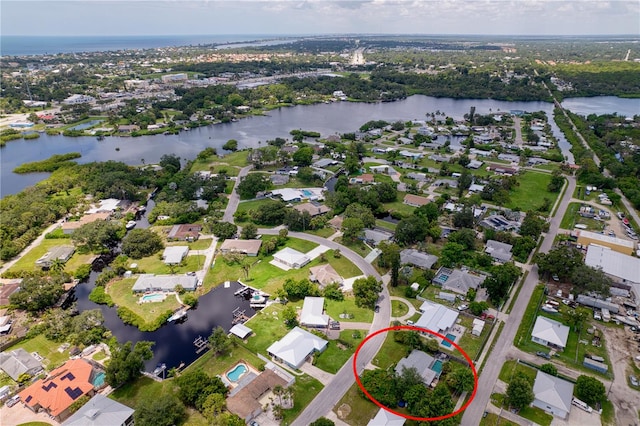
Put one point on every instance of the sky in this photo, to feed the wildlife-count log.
(205, 17)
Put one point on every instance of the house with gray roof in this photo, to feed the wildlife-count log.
(62, 253)
(458, 280)
(376, 236)
(150, 282)
(436, 317)
(500, 252)
(552, 394)
(294, 348)
(386, 418)
(417, 258)
(18, 362)
(550, 333)
(101, 411)
(422, 362)
(173, 255)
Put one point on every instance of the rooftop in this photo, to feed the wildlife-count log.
(296, 346)
(150, 282)
(100, 411)
(613, 263)
(312, 312)
(174, 254)
(550, 331)
(499, 251)
(417, 258)
(436, 317)
(241, 246)
(553, 391)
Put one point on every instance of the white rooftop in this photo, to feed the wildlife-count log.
(312, 312)
(100, 411)
(550, 331)
(240, 330)
(553, 391)
(291, 256)
(436, 317)
(174, 254)
(613, 263)
(386, 418)
(296, 346)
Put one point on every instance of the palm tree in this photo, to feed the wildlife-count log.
(57, 265)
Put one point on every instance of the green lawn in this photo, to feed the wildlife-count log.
(143, 388)
(399, 206)
(215, 365)
(46, 348)
(536, 415)
(302, 246)
(510, 367)
(335, 356)
(468, 342)
(245, 206)
(390, 353)
(571, 218)
(325, 232)
(154, 265)
(386, 225)
(495, 420)
(398, 309)
(35, 424)
(359, 247)
(238, 159)
(121, 294)
(199, 244)
(529, 317)
(267, 326)
(342, 265)
(304, 390)
(28, 261)
(361, 409)
(334, 308)
(531, 183)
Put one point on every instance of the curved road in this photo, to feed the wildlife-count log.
(344, 378)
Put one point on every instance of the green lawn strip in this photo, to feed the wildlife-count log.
(245, 206)
(512, 366)
(398, 308)
(28, 261)
(267, 326)
(494, 420)
(322, 232)
(536, 415)
(608, 416)
(390, 353)
(518, 288)
(399, 206)
(560, 197)
(343, 266)
(386, 225)
(100, 355)
(334, 308)
(218, 365)
(46, 348)
(131, 393)
(302, 246)
(529, 317)
(530, 183)
(359, 247)
(361, 409)
(154, 265)
(304, 390)
(121, 294)
(35, 424)
(199, 244)
(336, 354)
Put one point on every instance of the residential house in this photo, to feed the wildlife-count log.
(440, 158)
(458, 280)
(184, 232)
(422, 362)
(61, 253)
(18, 362)
(248, 247)
(314, 209)
(324, 275)
(500, 252)
(128, 128)
(312, 314)
(164, 283)
(550, 333)
(475, 164)
(384, 169)
(295, 348)
(61, 388)
(245, 399)
(499, 223)
(410, 154)
(376, 236)
(70, 226)
(101, 411)
(420, 177)
(415, 200)
(552, 394)
(436, 317)
(417, 258)
(108, 205)
(336, 222)
(475, 188)
(173, 255)
(291, 258)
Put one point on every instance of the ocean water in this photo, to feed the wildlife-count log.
(43, 45)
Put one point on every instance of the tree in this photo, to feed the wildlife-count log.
(464, 218)
(452, 254)
(407, 378)
(98, 237)
(366, 291)
(387, 192)
(252, 184)
(195, 386)
(477, 308)
(139, 243)
(290, 317)
(357, 210)
(333, 291)
(556, 183)
(214, 405)
(323, 421)
(560, 261)
(170, 163)
(590, 390)
(411, 230)
(224, 230)
(37, 292)
(227, 419)
(231, 145)
(352, 227)
(465, 237)
(497, 285)
(303, 156)
(159, 410)
(549, 369)
(575, 318)
(249, 231)
(381, 386)
(532, 226)
(461, 380)
(587, 279)
(520, 392)
(429, 211)
(127, 362)
(219, 342)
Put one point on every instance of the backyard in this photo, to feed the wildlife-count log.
(336, 354)
(571, 218)
(121, 294)
(530, 183)
(46, 348)
(155, 265)
(360, 410)
(28, 261)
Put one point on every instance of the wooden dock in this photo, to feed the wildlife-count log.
(201, 344)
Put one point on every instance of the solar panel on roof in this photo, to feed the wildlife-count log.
(49, 386)
(73, 393)
(68, 376)
(29, 398)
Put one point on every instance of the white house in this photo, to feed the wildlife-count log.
(294, 348)
(291, 258)
(436, 317)
(386, 418)
(552, 394)
(174, 254)
(312, 314)
(101, 411)
(550, 333)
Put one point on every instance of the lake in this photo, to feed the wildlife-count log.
(338, 117)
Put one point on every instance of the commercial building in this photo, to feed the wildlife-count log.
(618, 244)
(620, 267)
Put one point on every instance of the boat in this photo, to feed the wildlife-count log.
(159, 369)
(178, 315)
(549, 308)
(100, 138)
(131, 224)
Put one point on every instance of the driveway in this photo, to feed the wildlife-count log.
(234, 198)
(318, 374)
(19, 414)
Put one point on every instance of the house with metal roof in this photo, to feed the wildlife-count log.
(294, 348)
(550, 333)
(417, 258)
(422, 362)
(18, 362)
(101, 411)
(386, 418)
(291, 258)
(376, 236)
(500, 252)
(312, 314)
(620, 267)
(62, 253)
(436, 317)
(150, 282)
(173, 255)
(552, 394)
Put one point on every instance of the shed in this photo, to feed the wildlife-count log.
(240, 330)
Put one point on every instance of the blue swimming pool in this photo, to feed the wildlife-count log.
(98, 380)
(451, 337)
(437, 366)
(155, 297)
(237, 372)
(306, 193)
(442, 278)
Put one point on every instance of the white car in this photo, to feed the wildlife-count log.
(463, 307)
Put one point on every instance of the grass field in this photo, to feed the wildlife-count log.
(398, 308)
(28, 261)
(495, 420)
(531, 183)
(510, 367)
(121, 294)
(342, 265)
(334, 308)
(267, 326)
(131, 393)
(361, 409)
(334, 357)
(46, 348)
(304, 390)
(154, 265)
(199, 244)
(325, 232)
(399, 206)
(390, 353)
(571, 218)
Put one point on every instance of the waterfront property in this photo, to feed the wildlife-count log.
(175, 254)
(184, 232)
(101, 411)
(436, 317)
(69, 226)
(164, 283)
(552, 394)
(61, 253)
(312, 314)
(61, 388)
(248, 247)
(241, 330)
(296, 347)
(152, 298)
(550, 333)
(18, 362)
(415, 200)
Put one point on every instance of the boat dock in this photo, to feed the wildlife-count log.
(201, 344)
(239, 316)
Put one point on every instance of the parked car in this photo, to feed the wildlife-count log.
(377, 309)
(634, 380)
(12, 401)
(543, 355)
(334, 325)
(409, 322)
(555, 277)
(463, 307)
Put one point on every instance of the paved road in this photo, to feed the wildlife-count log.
(234, 198)
(5, 267)
(499, 354)
(344, 378)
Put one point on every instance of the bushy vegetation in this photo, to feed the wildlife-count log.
(51, 164)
